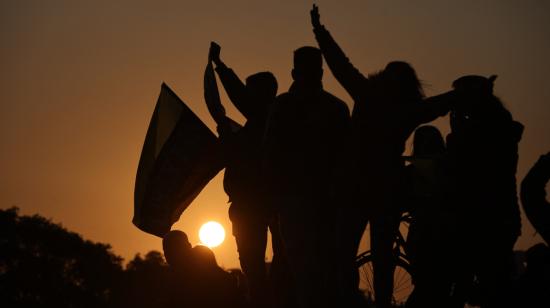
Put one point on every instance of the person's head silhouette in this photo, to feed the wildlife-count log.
(477, 101)
(308, 65)
(204, 258)
(401, 80)
(475, 85)
(176, 248)
(428, 141)
(262, 88)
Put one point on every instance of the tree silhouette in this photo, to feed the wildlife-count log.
(43, 264)
(145, 282)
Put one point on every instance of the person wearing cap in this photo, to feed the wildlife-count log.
(483, 156)
(305, 148)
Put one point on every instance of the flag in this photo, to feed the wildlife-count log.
(180, 156)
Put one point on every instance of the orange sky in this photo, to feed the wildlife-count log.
(79, 80)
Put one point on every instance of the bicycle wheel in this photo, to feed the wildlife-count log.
(402, 282)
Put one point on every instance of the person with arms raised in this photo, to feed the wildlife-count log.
(251, 212)
(389, 105)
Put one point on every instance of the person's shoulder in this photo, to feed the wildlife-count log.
(281, 101)
(507, 130)
(516, 129)
(283, 97)
(336, 102)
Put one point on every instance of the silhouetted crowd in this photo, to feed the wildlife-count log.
(315, 176)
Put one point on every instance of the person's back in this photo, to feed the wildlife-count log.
(483, 149)
(305, 148)
(307, 131)
(483, 154)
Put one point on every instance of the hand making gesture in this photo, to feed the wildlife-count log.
(315, 17)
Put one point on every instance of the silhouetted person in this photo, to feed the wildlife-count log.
(214, 286)
(305, 151)
(197, 280)
(181, 289)
(483, 153)
(177, 250)
(433, 227)
(388, 107)
(250, 212)
(533, 196)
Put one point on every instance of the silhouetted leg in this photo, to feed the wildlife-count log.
(432, 288)
(308, 237)
(251, 236)
(352, 224)
(495, 272)
(280, 278)
(383, 229)
(431, 265)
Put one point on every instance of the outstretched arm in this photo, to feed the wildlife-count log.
(433, 107)
(233, 85)
(349, 77)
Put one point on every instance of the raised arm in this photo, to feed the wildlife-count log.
(349, 77)
(212, 99)
(233, 85)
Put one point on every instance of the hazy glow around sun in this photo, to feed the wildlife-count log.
(211, 234)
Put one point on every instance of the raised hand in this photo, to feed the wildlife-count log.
(315, 17)
(214, 53)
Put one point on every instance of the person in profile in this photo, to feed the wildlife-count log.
(483, 156)
(178, 254)
(389, 105)
(533, 196)
(305, 151)
(250, 212)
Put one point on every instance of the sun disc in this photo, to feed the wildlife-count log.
(211, 234)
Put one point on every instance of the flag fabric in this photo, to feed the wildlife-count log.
(180, 156)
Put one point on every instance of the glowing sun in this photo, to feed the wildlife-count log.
(211, 234)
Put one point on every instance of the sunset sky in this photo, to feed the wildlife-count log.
(79, 81)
